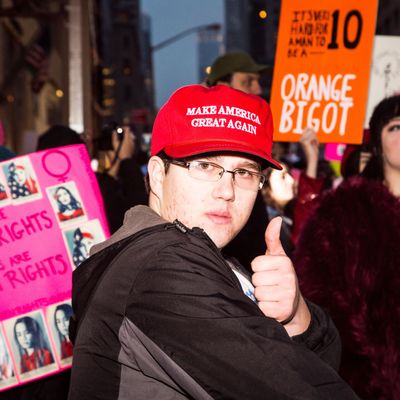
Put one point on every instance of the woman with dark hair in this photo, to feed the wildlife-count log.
(68, 206)
(62, 314)
(348, 256)
(31, 344)
(19, 182)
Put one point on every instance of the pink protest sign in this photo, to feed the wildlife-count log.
(334, 151)
(51, 213)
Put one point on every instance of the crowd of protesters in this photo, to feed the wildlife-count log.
(341, 232)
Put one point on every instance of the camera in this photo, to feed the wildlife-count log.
(104, 141)
(120, 132)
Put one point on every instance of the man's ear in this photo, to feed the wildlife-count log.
(156, 171)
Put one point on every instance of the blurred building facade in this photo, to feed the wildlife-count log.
(210, 46)
(127, 94)
(73, 63)
(32, 84)
(252, 26)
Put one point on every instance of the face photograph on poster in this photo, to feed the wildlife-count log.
(21, 180)
(58, 316)
(80, 239)
(66, 203)
(5, 197)
(7, 375)
(30, 345)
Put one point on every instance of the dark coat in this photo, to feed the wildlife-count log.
(348, 260)
(160, 314)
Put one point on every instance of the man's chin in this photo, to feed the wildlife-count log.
(220, 238)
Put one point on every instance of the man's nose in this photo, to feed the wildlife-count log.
(256, 88)
(224, 187)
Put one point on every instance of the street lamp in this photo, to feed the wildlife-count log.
(186, 32)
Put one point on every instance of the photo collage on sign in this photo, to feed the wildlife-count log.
(18, 182)
(79, 234)
(35, 344)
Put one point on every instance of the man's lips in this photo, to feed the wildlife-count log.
(219, 217)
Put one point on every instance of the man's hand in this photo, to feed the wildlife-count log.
(276, 286)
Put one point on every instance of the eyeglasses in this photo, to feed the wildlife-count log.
(211, 172)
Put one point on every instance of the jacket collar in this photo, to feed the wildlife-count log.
(136, 219)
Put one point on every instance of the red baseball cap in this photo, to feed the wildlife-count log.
(197, 120)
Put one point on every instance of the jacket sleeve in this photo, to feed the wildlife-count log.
(190, 304)
(321, 337)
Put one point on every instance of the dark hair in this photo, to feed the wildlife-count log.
(166, 159)
(58, 135)
(73, 205)
(351, 165)
(67, 309)
(38, 340)
(383, 113)
(104, 141)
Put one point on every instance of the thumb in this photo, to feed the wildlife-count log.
(272, 240)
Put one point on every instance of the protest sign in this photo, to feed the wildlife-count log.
(51, 213)
(321, 70)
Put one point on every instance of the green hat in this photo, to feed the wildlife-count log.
(237, 61)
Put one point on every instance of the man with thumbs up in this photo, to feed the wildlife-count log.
(160, 313)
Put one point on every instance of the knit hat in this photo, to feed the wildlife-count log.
(6, 154)
(197, 120)
(237, 61)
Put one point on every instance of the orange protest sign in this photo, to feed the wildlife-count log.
(322, 68)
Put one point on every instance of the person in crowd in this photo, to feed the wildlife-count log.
(159, 312)
(279, 194)
(19, 181)
(6, 367)
(31, 344)
(347, 261)
(57, 136)
(62, 315)
(6, 154)
(238, 70)
(119, 175)
(83, 241)
(356, 157)
(68, 206)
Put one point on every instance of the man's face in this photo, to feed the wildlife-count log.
(247, 82)
(221, 208)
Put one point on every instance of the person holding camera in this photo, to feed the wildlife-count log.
(119, 176)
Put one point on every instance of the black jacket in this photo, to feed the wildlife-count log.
(159, 314)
